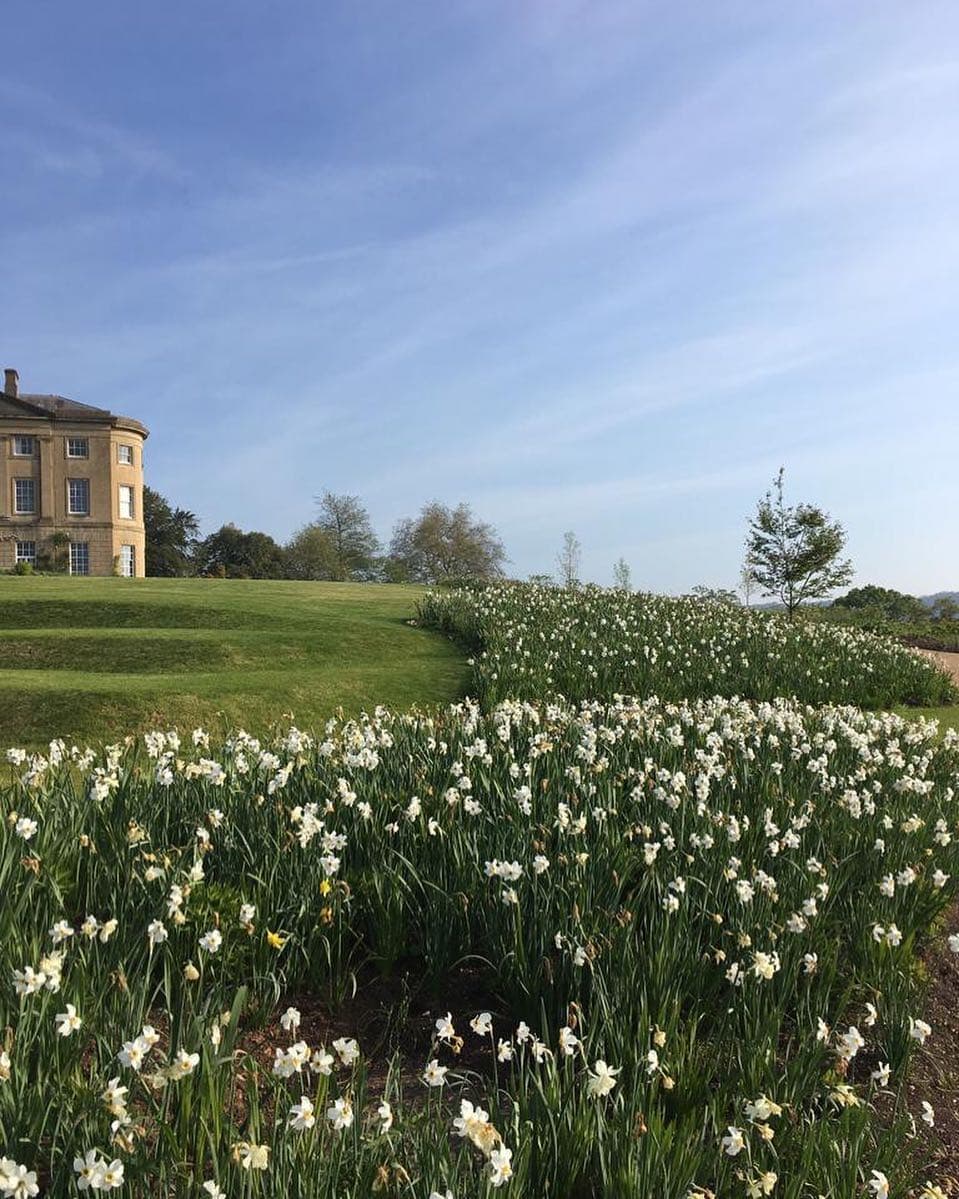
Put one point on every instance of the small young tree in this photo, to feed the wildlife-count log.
(568, 559)
(56, 555)
(622, 576)
(793, 552)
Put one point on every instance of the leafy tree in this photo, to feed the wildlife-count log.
(355, 546)
(793, 552)
(231, 553)
(883, 602)
(395, 566)
(443, 544)
(945, 608)
(715, 595)
(171, 536)
(311, 554)
(622, 576)
(568, 559)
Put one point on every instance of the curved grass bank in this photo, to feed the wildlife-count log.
(93, 659)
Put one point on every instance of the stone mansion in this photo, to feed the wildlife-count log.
(71, 485)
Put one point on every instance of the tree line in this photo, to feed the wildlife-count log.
(340, 545)
(793, 554)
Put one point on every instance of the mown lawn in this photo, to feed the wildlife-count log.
(948, 717)
(95, 659)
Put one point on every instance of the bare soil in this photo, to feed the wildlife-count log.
(934, 1074)
(949, 662)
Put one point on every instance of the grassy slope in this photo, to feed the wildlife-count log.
(932, 634)
(92, 659)
(948, 717)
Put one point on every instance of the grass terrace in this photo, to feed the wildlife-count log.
(94, 659)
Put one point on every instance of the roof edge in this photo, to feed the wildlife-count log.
(68, 412)
(127, 422)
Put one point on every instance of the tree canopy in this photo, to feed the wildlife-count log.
(234, 554)
(884, 602)
(171, 536)
(310, 554)
(444, 543)
(715, 595)
(353, 544)
(793, 553)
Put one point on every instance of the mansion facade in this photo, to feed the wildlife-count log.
(71, 485)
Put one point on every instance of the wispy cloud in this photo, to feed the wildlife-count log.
(64, 142)
(565, 261)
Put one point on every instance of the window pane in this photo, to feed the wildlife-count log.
(126, 501)
(125, 454)
(25, 495)
(79, 497)
(79, 558)
(23, 447)
(77, 447)
(27, 552)
(127, 561)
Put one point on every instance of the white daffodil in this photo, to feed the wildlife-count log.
(340, 1113)
(302, 1115)
(435, 1075)
(67, 1022)
(602, 1079)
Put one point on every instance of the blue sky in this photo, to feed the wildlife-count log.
(587, 265)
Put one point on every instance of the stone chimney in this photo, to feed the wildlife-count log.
(11, 382)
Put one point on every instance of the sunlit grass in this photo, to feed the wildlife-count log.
(93, 659)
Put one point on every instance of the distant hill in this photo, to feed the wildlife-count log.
(929, 600)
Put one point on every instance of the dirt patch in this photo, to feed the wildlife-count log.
(389, 1017)
(949, 662)
(394, 1022)
(934, 1074)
